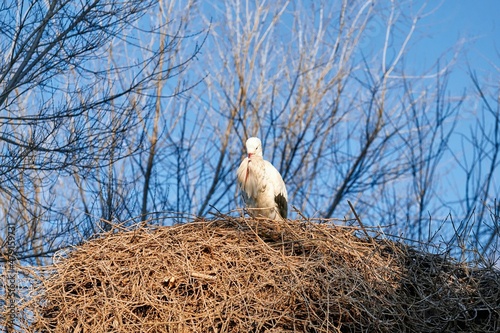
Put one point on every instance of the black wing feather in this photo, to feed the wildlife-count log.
(282, 205)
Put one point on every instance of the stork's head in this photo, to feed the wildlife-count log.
(254, 147)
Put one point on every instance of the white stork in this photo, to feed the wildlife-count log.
(261, 185)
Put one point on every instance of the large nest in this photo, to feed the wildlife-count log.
(242, 275)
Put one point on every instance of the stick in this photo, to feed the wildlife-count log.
(359, 221)
(203, 276)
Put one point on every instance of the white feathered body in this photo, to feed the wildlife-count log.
(262, 188)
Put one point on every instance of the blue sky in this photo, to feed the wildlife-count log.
(464, 34)
(476, 23)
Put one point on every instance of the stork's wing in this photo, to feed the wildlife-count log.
(248, 183)
(280, 193)
(241, 173)
(241, 176)
(282, 205)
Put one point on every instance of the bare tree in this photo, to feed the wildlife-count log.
(339, 119)
(479, 160)
(68, 96)
(332, 118)
(325, 85)
(120, 112)
(140, 183)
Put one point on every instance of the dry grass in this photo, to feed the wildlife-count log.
(242, 275)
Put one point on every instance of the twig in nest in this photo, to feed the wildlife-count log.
(203, 276)
(300, 213)
(360, 223)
